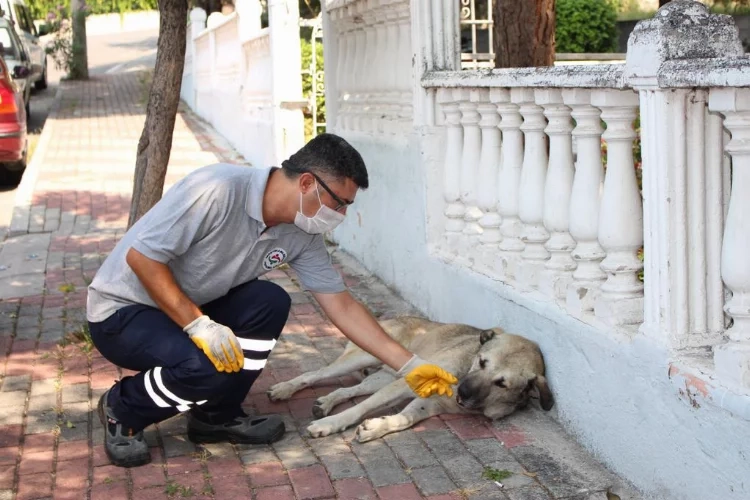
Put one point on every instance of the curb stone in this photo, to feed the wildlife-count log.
(19, 223)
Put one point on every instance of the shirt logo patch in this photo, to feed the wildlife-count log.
(274, 258)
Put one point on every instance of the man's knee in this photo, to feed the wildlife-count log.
(277, 304)
(197, 375)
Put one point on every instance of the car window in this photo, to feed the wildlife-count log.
(23, 21)
(29, 21)
(10, 48)
(6, 8)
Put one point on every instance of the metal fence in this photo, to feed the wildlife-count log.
(476, 34)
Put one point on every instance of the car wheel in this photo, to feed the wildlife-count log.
(41, 84)
(11, 174)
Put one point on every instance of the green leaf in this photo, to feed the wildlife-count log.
(496, 475)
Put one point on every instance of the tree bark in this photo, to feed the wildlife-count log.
(524, 33)
(79, 63)
(155, 143)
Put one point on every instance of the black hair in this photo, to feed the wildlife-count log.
(328, 155)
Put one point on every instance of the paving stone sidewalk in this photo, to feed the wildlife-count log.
(50, 441)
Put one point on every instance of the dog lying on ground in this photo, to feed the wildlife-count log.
(497, 373)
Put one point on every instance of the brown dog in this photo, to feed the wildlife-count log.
(497, 374)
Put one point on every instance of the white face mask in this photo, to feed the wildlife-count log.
(324, 220)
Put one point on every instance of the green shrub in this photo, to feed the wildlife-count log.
(584, 26)
(40, 9)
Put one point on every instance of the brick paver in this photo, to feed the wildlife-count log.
(50, 441)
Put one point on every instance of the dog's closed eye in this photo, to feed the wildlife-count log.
(500, 382)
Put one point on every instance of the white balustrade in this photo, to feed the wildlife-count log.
(487, 182)
(732, 359)
(374, 67)
(245, 81)
(585, 202)
(558, 270)
(620, 300)
(469, 165)
(511, 245)
(533, 176)
(454, 210)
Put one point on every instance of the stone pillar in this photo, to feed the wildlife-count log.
(289, 131)
(249, 12)
(682, 175)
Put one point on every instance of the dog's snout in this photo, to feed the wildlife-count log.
(464, 392)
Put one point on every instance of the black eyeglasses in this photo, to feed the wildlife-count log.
(341, 203)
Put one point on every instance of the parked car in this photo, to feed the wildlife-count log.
(16, 58)
(19, 14)
(13, 132)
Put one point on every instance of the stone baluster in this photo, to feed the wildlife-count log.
(585, 202)
(357, 94)
(392, 97)
(469, 167)
(379, 77)
(509, 180)
(347, 107)
(732, 359)
(367, 76)
(404, 68)
(620, 301)
(487, 179)
(558, 270)
(531, 195)
(454, 139)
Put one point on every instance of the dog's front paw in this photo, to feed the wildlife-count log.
(372, 428)
(321, 408)
(281, 391)
(324, 427)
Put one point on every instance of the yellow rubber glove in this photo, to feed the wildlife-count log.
(426, 379)
(218, 342)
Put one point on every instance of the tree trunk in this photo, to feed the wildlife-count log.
(79, 64)
(156, 140)
(524, 33)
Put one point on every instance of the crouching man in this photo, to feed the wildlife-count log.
(179, 300)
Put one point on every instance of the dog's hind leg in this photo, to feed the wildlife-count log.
(416, 411)
(390, 394)
(369, 385)
(345, 364)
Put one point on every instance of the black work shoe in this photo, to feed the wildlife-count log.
(124, 447)
(242, 430)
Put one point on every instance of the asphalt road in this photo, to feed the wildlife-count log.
(106, 54)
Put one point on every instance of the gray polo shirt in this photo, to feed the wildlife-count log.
(207, 229)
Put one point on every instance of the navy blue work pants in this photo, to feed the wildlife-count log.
(175, 375)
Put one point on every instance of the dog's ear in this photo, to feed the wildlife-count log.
(486, 336)
(546, 401)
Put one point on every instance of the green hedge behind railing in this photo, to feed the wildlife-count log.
(40, 9)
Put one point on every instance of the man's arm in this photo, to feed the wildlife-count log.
(217, 341)
(161, 286)
(360, 327)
